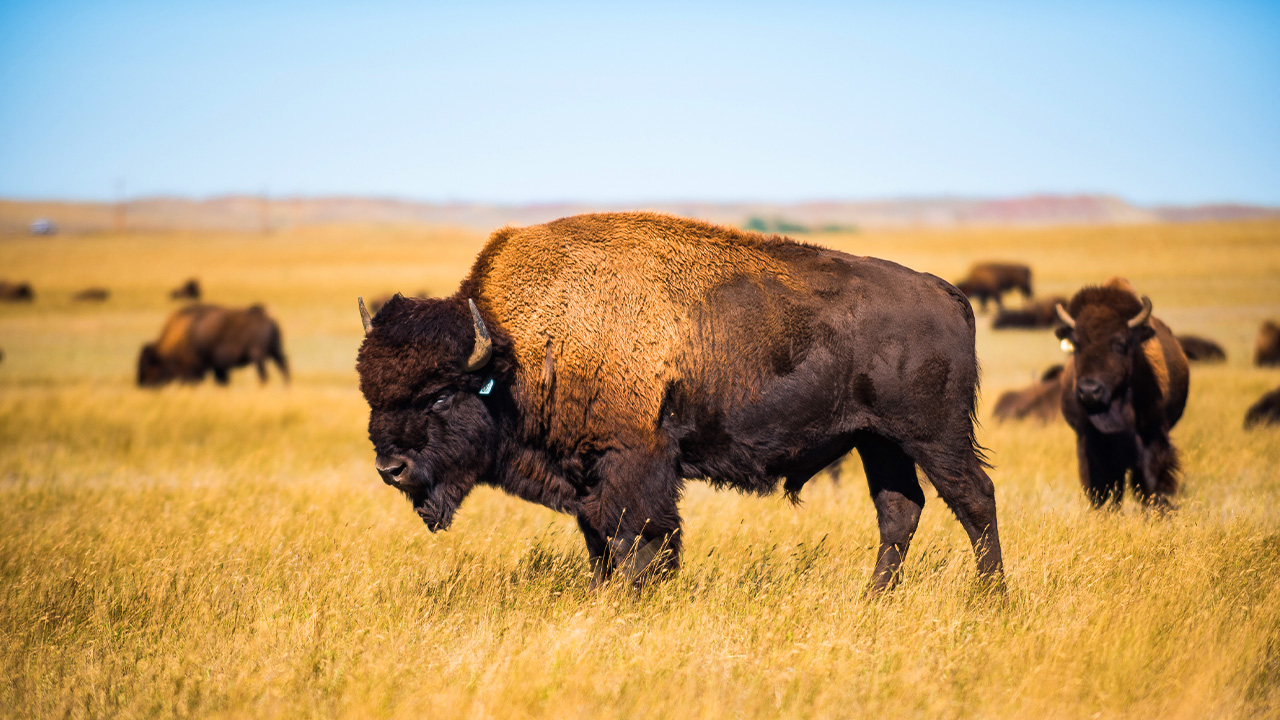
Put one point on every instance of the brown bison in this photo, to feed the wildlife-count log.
(1266, 351)
(1122, 392)
(608, 358)
(989, 280)
(93, 294)
(1035, 314)
(1264, 412)
(201, 338)
(189, 290)
(16, 292)
(1041, 401)
(1198, 349)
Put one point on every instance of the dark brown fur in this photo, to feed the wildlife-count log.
(989, 280)
(16, 292)
(633, 351)
(1123, 391)
(1264, 412)
(201, 338)
(1034, 314)
(1041, 401)
(1266, 350)
(189, 290)
(1198, 349)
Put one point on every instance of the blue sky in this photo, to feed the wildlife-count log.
(1161, 102)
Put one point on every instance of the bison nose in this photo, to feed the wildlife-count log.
(390, 468)
(1090, 392)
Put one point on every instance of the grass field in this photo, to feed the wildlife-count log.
(230, 552)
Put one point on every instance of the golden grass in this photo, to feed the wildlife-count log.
(213, 552)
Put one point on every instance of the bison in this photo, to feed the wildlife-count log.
(93, 294)
(1122, 392)
(989, 280)
(1035, 314)
(595, 363)
(189, 290)
(1040, 401)
(200, 338)
(16, 292)
(1266, 350)
(1264, 412)
(1198, 349)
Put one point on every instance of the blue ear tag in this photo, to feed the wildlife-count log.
(488, 387)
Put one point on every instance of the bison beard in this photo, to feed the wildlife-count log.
(614, 356)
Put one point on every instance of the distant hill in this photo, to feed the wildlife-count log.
(248, 213)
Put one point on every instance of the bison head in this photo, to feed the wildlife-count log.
(423, 368)
(1107, 327)
(152, 369)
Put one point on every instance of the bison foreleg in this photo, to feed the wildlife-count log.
(891, 476)
(1155, 481)
(1101, 469)
(597, 551)
(635, 508)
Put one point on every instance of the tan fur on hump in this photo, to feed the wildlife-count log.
(175, 336)
(1120, 283)
(586, 265)
(1159, 367)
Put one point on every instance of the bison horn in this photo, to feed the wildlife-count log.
(484, 346)
(1143, 314)
(1064, 315)
(364, 316)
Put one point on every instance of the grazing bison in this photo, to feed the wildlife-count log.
(93, 294)
(608, 358)
(989, 280)
(16, 292)
(1266, 351)
(1035, 314)
(1198, 349)
(200, 338)
(1122, 392)
(1041, 401)
(189, 290)
(1264, 412)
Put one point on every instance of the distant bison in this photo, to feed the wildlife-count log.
(989, 280)
(189, 290)
(93, 294)
(16, 292)
(1200, 349)
(1264, 412)
(1124, 389)
(1266, 351)
(606, 359)
(1041, 401)
(202, 338)
(1035, 314)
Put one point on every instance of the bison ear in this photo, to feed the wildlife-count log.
(1143, 333)
(1062, 332)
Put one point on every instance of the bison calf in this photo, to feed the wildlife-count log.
(202, 338)
(1122, 392)
(595, 363)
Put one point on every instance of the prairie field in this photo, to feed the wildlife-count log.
(201, 551)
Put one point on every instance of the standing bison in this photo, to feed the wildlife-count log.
(594, 363)
(201, 338)
(1266, 349)
(1124, 389)
(189, 290)
(989, 280)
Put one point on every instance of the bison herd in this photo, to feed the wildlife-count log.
(596, 363)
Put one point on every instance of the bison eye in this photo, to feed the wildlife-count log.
(442, 401)
(1119, 346)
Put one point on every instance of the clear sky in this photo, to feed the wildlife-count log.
(1158, 102)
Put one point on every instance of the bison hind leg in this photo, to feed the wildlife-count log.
(958, 474)
(896, 493)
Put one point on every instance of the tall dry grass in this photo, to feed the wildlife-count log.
(204, 551)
